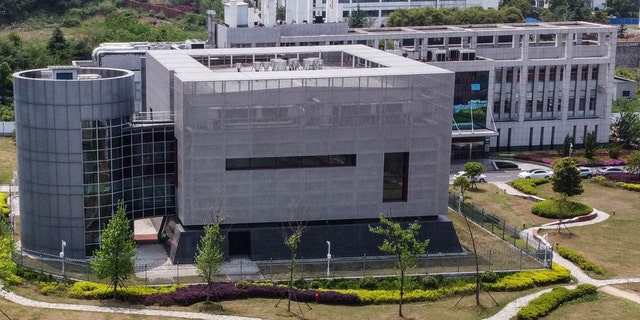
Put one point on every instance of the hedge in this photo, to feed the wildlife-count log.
(91, 290)
(578, 259)
(549, 209)
(4, 206)
(547, 302)
(528, 186)
(528, 279)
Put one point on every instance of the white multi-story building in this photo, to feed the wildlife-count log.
(518, 86)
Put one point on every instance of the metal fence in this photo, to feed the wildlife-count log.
(151, 272)
(496, 225)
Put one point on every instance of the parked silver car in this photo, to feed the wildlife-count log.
(586, 172)
(535, 174)
(478, 178)
(610, 170)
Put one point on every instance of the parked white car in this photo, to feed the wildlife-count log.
(479, 178)
(586, 172)
(535, 174)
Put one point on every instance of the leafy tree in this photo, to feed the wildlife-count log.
(6, 84)
(626, 129)
(590, 142)
(566, 177)
(58, 46)
(116, 257)
(633, 162)
(525, 6)
(622, 8)
(404, 244)
(462, 184)
(626, 105)
(13, 10)
(427, 16)
(473, 169)
(209, 257)
(599, 16)
(357, 19)
(570, 10)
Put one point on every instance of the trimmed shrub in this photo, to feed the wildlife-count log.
(578, 259)
(547, 302)
(528, 186)
(549, 209)
(528, 279)
(91, 291)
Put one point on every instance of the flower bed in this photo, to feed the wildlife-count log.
(600, 158)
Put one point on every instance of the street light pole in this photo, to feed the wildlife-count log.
(64, 244)
(328, 256)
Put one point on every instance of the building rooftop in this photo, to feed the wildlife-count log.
(287, 63)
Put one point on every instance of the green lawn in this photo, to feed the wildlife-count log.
(8, 160)
(611, 244)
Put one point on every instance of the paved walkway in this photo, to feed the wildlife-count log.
(145, 312)
(512, 308)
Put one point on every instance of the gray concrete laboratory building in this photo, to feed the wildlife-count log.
(324, 136)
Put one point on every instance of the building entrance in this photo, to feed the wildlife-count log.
(240, 243)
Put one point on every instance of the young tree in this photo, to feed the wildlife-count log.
(473, 169)
(404, 244)
(116, 257)
(567, 182)
(292, 242)
(590, 143)
(566, 177)
(462, 183)
(209, 257)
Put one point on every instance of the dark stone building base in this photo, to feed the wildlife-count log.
(266, 241)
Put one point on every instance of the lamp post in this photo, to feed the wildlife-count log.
(328, 256)
(64, 244)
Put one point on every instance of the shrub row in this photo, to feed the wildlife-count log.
(186, 296)
(5, 210)
(549, 209)
(528, 186)
(549, 301)
(609, 182)
(528, 279)
(368, 297)
(384, 283)
(624, 177)
(91, 290)
(578, 259)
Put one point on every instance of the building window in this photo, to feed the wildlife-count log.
(626, 93)
(396, 175)
(336, 160)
